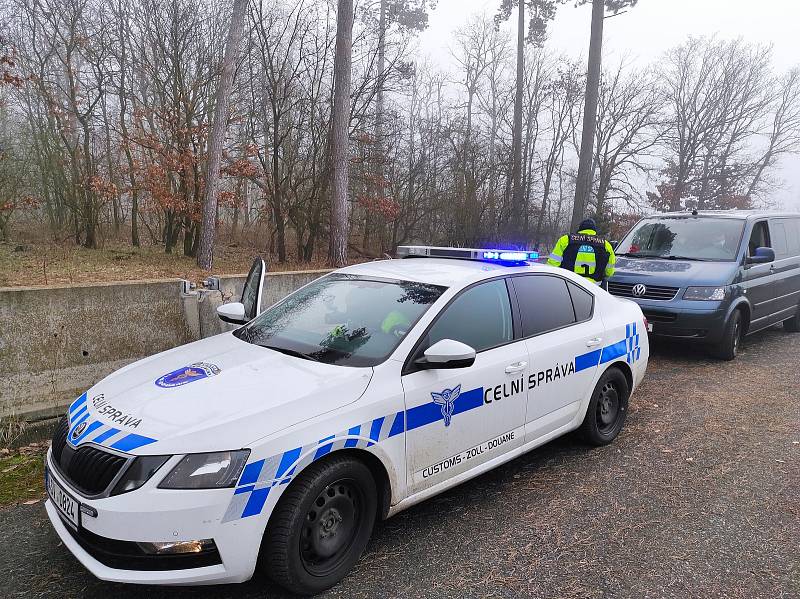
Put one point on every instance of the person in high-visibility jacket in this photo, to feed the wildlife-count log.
(585, 253)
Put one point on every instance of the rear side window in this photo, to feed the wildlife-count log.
(778, 235)
(479, 317)
(582, 301)
(544, 303)
(791, 228)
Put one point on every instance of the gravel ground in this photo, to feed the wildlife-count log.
(697, 498)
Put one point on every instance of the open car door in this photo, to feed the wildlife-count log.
(250, 305)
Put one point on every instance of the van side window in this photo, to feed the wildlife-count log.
(778, 235)
(758, 238)
(793, 235)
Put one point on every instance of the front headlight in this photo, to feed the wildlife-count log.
(216, 470)
(139, 473)
(704, 293)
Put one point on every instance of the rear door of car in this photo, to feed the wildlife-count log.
(564, 337)
(786, 244)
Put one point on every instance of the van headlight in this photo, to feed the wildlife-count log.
(216, 470)
(705, 293)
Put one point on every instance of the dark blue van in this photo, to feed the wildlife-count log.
(712, 277)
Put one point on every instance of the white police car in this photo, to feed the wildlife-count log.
(359, 395)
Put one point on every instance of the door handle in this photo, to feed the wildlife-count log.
(593, 342)
(516, 367)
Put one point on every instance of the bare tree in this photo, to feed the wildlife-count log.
(205, 254)
(340, 134)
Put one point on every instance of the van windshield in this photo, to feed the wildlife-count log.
(342, 319)
(689, 238)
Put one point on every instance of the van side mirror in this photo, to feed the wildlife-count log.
(447, 353)
(763, 255)
(232, 313)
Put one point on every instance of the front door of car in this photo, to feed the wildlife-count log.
(760, 280)
(253, 289)
(458, 418)
(565, 339)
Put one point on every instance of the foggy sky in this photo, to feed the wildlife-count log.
(642, 34)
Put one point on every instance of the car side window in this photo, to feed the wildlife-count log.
(544, 303)
(582, 302)
(793, 235)
(778, 236)
(479, 317)
(758, 238)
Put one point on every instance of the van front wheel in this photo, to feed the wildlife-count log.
(728, 347)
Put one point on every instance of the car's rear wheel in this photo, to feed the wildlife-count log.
(728, 346)
(320, 526)
(607, 409)
(792, 325)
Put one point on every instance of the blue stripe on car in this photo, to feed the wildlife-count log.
(77, 403)
(132, 441)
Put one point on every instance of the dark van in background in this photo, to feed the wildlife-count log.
(712, 276)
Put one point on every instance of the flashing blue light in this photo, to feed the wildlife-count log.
(514, 256)
(491, 255)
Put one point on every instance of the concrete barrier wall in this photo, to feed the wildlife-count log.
(57, 341)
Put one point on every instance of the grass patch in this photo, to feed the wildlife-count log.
(48, 263)
(22, 475)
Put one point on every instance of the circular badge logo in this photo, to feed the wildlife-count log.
(639, 290)
(78, 431)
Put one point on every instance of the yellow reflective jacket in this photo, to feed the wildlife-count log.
(585, 261)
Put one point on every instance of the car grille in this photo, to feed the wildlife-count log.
(660, 316)
(654, 292)
(89, 469)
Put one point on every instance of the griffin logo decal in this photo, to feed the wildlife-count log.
(446, 399)
(187, 374)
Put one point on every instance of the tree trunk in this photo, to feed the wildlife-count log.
(516, 216)
(205, 253)
(583, 183)
(339, 133)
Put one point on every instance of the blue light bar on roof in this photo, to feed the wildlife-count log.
(484, 255)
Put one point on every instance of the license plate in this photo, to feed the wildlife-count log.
(649, 327)
(63, 501)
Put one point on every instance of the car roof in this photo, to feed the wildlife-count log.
(449, 272)
(734, 214)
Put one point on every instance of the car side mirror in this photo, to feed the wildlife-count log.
(447, 353)
(763, 255)
(232, 313)
(614, 244)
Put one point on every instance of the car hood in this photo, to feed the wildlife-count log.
(215, 394)
(673, 273)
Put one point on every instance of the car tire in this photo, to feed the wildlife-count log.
(728, 347)
(792, 325)
(320, 526)
(607, 409)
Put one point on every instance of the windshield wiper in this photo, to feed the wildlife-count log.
(674, 257)
(290, 352)
(628, 255)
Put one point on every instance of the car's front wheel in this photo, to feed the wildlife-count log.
(607, 409)
(728, 346)
(320, 526)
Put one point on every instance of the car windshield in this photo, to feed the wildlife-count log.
(689, 238)
(343, 319)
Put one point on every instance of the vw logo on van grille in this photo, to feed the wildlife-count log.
(639, 290)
